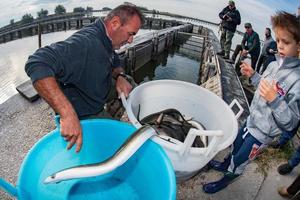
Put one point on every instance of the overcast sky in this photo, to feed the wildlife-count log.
(257, 12)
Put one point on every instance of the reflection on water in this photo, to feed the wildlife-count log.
(14, 54)
(171, 64)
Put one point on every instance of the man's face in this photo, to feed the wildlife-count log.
(248, 29)
(231, 6)
(124, 33)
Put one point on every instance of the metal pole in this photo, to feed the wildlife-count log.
(40, 34)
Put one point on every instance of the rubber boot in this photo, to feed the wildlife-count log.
(214, 187)
(220, 166)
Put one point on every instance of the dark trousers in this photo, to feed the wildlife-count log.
(237, 51)
(294, 187)
(284, 138)
(226, 41)
(261, 61)
(245, 148)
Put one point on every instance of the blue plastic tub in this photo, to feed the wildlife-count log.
(148, 174)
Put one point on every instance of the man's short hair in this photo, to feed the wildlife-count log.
(248, 25)
(125, 12)
(268, 29)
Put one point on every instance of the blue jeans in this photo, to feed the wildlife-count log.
(295, 159)
(284, 138)
(244, 149)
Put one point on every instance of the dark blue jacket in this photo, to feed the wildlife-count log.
(270, 56)
(235, 16)
(82, 65)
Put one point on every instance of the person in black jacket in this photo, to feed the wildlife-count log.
(230, 17)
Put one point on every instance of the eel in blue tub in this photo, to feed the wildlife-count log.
(131, 145)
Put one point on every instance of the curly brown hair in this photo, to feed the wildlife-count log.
(288, 22)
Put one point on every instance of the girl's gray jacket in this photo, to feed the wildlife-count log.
(267, 120)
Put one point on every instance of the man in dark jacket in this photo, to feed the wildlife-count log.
(267, 53)
(75, 76)
(230, 17)
(249, 45)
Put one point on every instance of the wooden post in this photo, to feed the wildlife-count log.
(40, 34)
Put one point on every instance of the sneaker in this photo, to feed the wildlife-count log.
(283, 192)
(214, 187)
(219, 166)
(284, 169)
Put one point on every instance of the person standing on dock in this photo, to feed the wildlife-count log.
(230, 17)
(75, 76)
(275, 105)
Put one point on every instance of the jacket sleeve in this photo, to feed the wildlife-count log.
(255, 42)
(222, 13)
(244, 41)
(237, 18)
(43, 63)
(116, 61)
(286, 110)
(59, 60)
(273, 46)
(255, 79)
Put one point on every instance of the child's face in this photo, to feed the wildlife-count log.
(286, 44)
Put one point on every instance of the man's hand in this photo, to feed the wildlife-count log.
(268, 90)
(122, 85)
(244, 53)
(69, 122)
(229, 19)
(71, 130)
(246, 69)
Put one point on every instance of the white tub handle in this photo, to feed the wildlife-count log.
(131, 116)
(193, 133)
(235, 102)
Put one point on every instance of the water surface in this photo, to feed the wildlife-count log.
(14, 55)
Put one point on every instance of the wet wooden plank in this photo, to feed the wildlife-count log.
(27, 90)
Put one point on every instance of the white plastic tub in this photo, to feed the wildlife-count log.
(192, 101)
